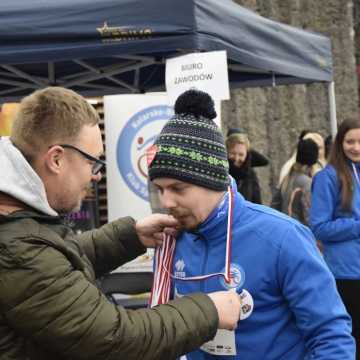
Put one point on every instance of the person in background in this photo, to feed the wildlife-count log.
(239, 157)
(319, 140)
(290, 307)
(50, 305)
(335, 216)
(257, 159)
(294, 195)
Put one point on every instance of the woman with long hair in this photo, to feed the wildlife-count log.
(293, 197)
(335, 215)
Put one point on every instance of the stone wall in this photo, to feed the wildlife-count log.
(275, 116)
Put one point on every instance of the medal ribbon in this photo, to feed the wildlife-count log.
(164, 254)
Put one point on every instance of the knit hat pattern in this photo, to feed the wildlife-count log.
(190, 147)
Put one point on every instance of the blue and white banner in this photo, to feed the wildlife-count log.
(132, 123)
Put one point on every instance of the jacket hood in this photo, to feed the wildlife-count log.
(19, 180)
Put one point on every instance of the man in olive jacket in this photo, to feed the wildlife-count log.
(50, 306)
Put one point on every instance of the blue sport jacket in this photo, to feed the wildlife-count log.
(298, 313)
(339, 231)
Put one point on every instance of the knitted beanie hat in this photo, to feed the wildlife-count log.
(190, 147)
(307, 152)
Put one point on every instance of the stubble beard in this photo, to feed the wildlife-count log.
(64, 209)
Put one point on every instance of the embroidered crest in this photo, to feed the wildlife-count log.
(237, 275)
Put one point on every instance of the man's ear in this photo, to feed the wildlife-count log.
(54, 159)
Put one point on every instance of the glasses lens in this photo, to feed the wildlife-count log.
(97, 168)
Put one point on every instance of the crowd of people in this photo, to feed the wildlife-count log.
(319, 186)
(245, 281)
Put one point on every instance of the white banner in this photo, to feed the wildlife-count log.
(206, 71)
(132, 123)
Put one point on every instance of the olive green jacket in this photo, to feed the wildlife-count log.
(51, 308)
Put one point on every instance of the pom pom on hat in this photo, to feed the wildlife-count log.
(196, 103)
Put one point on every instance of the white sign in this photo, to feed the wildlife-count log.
(203, 71)
(132, 123)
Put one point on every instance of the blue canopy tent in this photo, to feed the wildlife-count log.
(121, 46)
(101, 47)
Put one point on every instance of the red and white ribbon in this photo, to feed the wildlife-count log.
(160, 293)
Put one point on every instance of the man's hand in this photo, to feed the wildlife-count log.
(228, 305)
(152, 228)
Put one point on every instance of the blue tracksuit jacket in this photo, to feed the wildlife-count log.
(298, 314)
(339, 231)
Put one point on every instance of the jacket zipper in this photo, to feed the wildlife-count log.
(205, 263)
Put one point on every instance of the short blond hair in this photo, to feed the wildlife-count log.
(237, 138)
(48, 116)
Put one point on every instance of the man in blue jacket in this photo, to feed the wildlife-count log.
(290, 307)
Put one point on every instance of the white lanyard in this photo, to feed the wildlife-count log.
(356, 174)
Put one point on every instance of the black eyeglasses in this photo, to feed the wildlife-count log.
(98, 164)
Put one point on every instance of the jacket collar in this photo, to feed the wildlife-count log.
(214, 228)
(13, 209)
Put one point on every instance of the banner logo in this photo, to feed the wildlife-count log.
(137, 136)
(237, 277)
(122, 33)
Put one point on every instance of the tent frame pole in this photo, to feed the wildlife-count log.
(332, 107)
